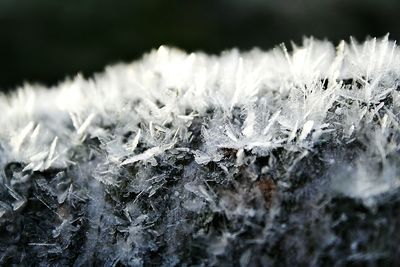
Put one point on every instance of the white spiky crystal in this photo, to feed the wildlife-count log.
(138, 164)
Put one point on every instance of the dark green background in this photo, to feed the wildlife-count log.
(46, 40)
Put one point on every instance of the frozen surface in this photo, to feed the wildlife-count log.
(283, 157)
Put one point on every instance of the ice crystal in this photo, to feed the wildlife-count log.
(247, 158)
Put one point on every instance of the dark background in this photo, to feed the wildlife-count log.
(44, 41)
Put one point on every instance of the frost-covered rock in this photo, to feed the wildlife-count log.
(270, 158)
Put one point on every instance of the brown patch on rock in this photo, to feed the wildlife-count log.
(267, 188)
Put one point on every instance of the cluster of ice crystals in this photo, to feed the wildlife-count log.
(192, 159)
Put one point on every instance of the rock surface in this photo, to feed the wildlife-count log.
(273, 158)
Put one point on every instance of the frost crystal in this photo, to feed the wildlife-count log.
(252, 159)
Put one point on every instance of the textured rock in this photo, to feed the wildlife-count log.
(254, 159)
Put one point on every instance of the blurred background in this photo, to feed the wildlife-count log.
(45, 41)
